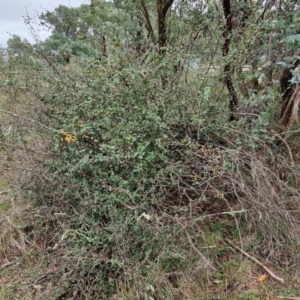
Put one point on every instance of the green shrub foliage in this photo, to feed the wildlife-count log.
(142, 162)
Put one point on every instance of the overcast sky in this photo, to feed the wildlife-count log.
(12, 13)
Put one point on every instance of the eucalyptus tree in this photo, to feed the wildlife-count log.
(69, 32)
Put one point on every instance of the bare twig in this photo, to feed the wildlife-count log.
(288, 148)
(8, 264)
(232, 213)
(25, 118)
(44, 276)
(12, 225)
(206, 261)
(256, 261)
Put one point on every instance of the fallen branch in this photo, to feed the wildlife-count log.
(256, 261)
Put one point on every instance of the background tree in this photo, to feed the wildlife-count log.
(18, 46)
(69, 32)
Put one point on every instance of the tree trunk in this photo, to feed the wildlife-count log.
(227, 68)
(162, 7)
(148, 22)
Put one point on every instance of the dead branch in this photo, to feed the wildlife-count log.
(8, 264)
(287, 147)
(43, 276)
(255, 260)
(206, 261)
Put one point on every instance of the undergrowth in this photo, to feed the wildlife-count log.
(136, 178)
(145, 179)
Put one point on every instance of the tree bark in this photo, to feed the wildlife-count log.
(104, 51)
(227, 68)
(148, 22)
(162, 7)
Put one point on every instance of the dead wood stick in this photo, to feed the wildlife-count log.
(11, 263)
(43, 276)
(206, 261)
(256, 261)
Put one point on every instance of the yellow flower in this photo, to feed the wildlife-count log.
(220, 195)
(68, 137)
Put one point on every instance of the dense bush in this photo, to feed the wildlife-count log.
(144, 165)
(140, 176)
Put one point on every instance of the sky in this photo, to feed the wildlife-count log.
(12, 13)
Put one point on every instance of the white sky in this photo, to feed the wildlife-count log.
(12, 13)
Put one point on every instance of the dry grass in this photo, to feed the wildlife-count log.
(236, 279)
(36, 276)
(12, 238)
